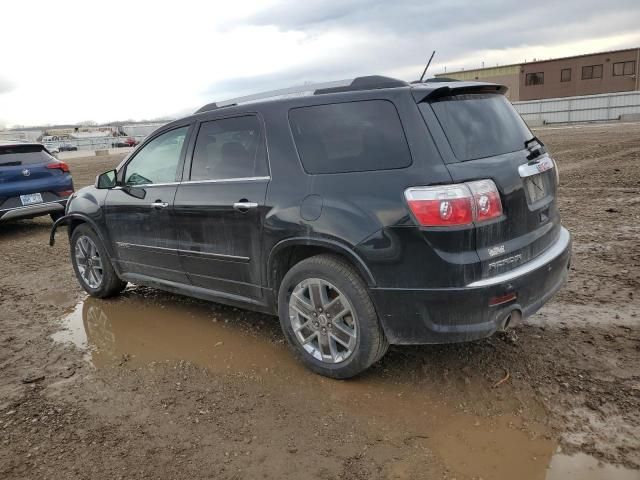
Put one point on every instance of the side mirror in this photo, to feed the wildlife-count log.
(106, 180)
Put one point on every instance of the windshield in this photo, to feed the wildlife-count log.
(480, 125)
(16, 155)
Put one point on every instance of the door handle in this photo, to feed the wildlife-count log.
(158, 205)
(244, 206)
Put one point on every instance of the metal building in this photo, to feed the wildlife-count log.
(591, 74)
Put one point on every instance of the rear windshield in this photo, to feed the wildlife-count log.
(349, 137)
(16, 155)
(480, 125)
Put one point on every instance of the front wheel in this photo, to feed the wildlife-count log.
(92, 265)
(328, 317)
(56, 215)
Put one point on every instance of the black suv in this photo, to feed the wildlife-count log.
(363, 213)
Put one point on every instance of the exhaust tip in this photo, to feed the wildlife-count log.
(513, 319)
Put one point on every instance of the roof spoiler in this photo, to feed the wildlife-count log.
(18, 145)
(463, 88)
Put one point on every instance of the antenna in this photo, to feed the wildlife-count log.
(424, 72)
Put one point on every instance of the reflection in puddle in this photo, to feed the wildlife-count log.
(140, 330)
(144, 331)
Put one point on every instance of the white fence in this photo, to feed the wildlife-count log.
(137, 131)
(94, 143)
(589, 108)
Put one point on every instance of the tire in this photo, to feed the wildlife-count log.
(109, 284)
(358, 350)
(56, 215)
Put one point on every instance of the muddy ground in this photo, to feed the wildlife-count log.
(152, 385)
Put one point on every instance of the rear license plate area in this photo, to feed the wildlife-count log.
(31, 199)
(537, 187)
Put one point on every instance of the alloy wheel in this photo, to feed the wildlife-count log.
(88, 261)
(323, 320)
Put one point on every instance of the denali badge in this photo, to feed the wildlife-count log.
(505, 261)
(499, 250)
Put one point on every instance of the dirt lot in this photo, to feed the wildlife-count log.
(152, 385)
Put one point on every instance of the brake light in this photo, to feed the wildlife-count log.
(65, 193)
(486, 199)
(454, 205)
(59, 165)
(442, 205)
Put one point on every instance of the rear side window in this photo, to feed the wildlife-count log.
(17, 155)
(480, 125)
(349, 137)
(230, 148)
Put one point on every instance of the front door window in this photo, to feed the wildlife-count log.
(158, 160)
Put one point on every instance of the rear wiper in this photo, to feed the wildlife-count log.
(533, 139)
(10, 164)
(536, 152)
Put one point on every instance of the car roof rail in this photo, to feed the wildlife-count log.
(371, 82)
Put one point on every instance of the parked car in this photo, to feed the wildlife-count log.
(32, 182)
(363, 214)
(129, 142)
(67, 147)
(53, 150)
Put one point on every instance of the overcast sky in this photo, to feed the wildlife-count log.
(67, 61)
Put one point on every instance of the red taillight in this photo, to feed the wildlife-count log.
(65, 193)
(487, 200)
(441, 206)
(59, 165)
(454, 205)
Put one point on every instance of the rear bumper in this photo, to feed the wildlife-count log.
(31, 211)
(421, 316)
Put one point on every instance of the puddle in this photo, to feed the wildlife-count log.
(140, 330)
(143, 331)
(585, 467)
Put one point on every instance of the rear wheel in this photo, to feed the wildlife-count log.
(328, 318)
(91, 264)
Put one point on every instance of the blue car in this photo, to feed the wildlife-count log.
(32, 182)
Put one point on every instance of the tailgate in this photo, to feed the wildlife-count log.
(531, 222)
(482, 137)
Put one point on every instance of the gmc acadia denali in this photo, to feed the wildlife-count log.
(363, 213)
